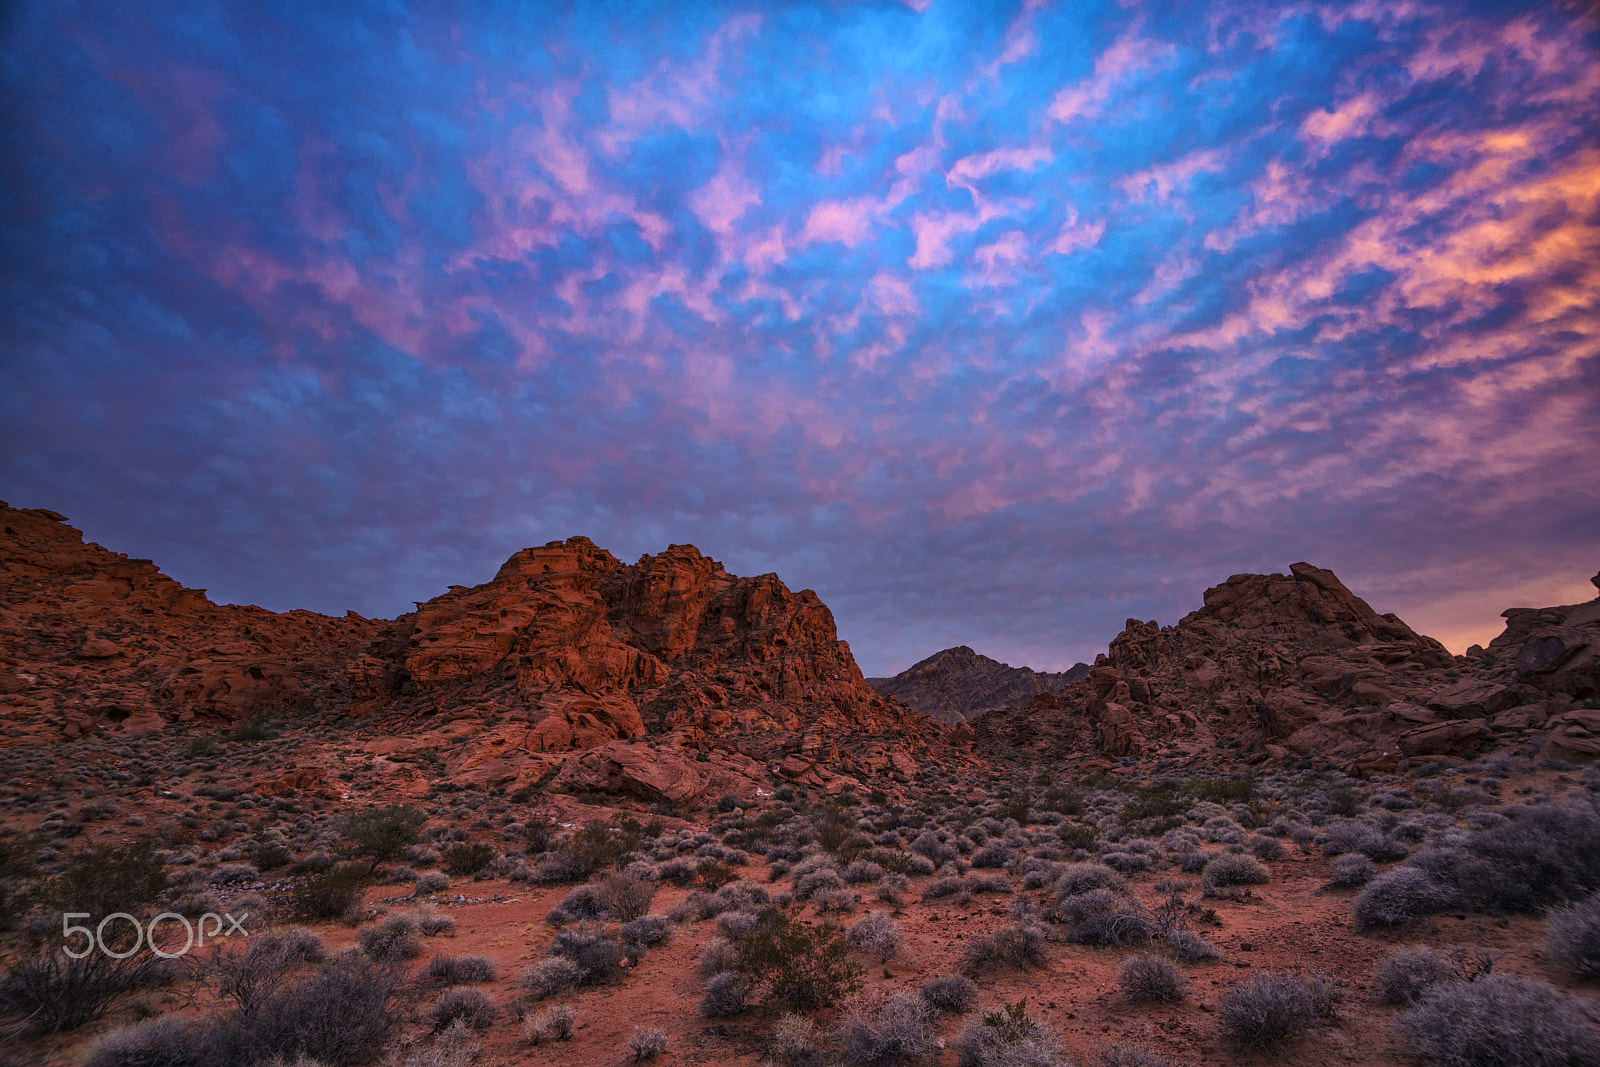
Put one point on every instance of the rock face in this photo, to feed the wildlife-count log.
(1297, 665)
(584, 651)
(566, 650)
(92, 641)
(958, 684)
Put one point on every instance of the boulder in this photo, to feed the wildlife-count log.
(1456, 737)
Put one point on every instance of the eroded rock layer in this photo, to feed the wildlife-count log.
(1278, 666)
(714, 681)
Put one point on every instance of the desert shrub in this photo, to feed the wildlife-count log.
(396, 938)
(1500, 1021)
(1545, 854)
(680, 872)
(799, 966)
(648, 930)
(862, 872)
(993, 855)
(552, 1024)
(472, 1006)
(951, 993)
(597, 957)
(1007, 1038)
(338, 1015)
(431, 882)
(1015, 945)
(1078, 878)
(329, 894)
(647, 1043)
(166, 1041)
(583, 902)
(434, 925)
(588, 851)
(825, 879)
(1230, 869)
(112, 878)
(1150, 978)
(716, 956)
(940, 888)
(1100, 917)
(1190, 947)
(549, 977)
(232, 873)
(1404, 896)
(733, 925)
(834, 901)
(725, 994)
(1263, 847)
(384, 833)
(928, 845)
(896, 1030)
(1573, 937)
(48, 991)
(467, 857)
(1352, 871)
(461, 970)
(245, 976)
(1269, 1008)
(1405, 974)
(1118, 1054)
(877, 935)
(794, 1042)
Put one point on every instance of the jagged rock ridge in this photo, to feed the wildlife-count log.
(1297, 665)
(958, 684)
(667, 677)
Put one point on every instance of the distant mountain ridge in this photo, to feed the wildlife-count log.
(959, 684)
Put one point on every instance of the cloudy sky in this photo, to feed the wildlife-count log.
(995, 324)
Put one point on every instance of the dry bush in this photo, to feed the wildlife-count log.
(1148, 978)
(1352, 871)
(549, 977)
(473, 1007)
(894, 1031)
(1007, 1038)
(1500, 1021)
(647, 1043)
(1228, 870)
(952, 993)
(1015, 944)
(725, 994)
(555, 1023)
(1405, 896)
(396, 938)
(877, 935)
(794, 1042)
(1269, 1008)
(1573, 937)
(461, 970)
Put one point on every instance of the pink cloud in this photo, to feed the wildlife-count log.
(1128, 56)
(1169, 179)
(892, 294)
(675, 94)
(721, 201)
(1075, 234)
(1353, 118)
(847, 221)
(997, 261)
(968, 170)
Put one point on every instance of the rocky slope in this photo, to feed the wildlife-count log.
(958, 684)
(669, 677)
(1281, 666)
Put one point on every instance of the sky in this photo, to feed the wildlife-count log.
(994, 324)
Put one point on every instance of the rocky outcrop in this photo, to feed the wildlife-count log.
(958, 684)
(1297, 665)
(92, 641)
(1554, 650)
(566, 650)
(590, 651)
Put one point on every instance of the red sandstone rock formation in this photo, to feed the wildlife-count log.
(566, 650)
(1280, 665)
